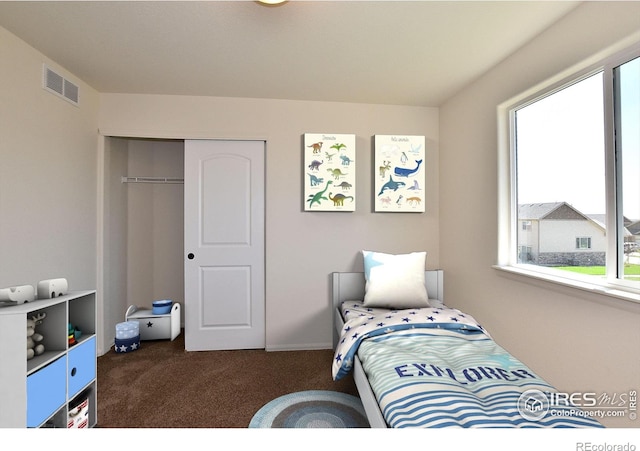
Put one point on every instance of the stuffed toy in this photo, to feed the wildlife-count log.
(34, 339)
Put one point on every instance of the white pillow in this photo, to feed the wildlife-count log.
(395, 281)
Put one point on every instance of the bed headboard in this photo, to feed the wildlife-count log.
(350, 286)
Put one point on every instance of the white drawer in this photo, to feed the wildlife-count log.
(156, 327)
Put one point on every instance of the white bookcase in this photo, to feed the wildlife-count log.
(42, 391)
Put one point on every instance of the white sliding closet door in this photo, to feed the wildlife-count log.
(224, 245)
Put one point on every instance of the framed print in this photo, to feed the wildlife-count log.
(329, 172)
(399, 173)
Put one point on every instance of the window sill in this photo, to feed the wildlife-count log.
(604, 289)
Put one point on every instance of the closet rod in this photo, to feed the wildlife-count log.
(152, 180)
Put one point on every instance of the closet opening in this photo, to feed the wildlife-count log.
(143, 226)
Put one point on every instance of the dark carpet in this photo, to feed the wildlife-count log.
(163, 386)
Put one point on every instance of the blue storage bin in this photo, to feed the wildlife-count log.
(161, 307)
(128, 329)
(82, 366)
(127, 344)
(46, 391)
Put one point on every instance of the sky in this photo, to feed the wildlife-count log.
(560, 143)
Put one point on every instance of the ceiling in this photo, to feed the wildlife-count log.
(385, 52)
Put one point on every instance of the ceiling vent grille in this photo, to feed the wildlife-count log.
(60, 86)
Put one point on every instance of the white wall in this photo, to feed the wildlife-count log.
(560, 235)
(48, 189)
(112, 296)
(47, 174)
(302, 248)
(575, 340)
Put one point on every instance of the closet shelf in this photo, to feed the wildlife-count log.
(173, 180)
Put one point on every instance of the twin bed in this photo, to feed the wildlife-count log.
(434, 366)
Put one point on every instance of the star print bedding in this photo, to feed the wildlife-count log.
(437, 367)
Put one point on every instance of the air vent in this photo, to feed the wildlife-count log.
(59, 85)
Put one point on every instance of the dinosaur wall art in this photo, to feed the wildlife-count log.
(329, 177)
(335, 168)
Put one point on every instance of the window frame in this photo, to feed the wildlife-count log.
(507, 199)
(580, 240)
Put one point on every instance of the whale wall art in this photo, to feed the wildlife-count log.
(329, 172)
(399, 173)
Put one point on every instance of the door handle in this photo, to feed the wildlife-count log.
(190, 256)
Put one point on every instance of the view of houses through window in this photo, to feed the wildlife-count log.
(561, 178)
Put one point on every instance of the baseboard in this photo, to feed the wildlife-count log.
(304, 347)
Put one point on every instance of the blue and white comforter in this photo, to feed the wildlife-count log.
(437, 367)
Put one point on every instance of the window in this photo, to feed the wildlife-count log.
(583, 243)
(627, 95)
(574, 178)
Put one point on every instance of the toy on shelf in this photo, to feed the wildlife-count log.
(34, 339)
(52, 288)
(74, 334)
(17, 295)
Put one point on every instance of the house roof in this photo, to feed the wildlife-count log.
(634, 228)
(549, 210)
(563, 210)
(601, 219)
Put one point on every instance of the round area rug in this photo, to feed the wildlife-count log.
(312, 409)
